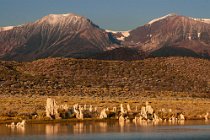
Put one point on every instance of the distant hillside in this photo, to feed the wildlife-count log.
(59, 76)
(121, 53)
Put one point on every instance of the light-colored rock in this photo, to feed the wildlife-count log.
(121, 118)
(75, 106)
(206, 117)
(136, 108)
(96, 109)
(103, 114)
(181, 117)
(172, 118)
(21, 124)
(52, 108)
(114, 109)
(128, 108)
(65, 107)
(79, 114)
(76, 109)
(127, 119)
(143, 112)
(122, 108)
(149, 108)
(91, 108)
(12, 125)
(155, 117)
(85, 107)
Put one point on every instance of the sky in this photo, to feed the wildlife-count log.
(117, 15)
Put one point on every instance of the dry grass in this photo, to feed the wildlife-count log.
(23, 107)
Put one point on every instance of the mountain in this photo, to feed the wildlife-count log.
(172, 35)
(74, 36)
(66, 35)
(63, 76)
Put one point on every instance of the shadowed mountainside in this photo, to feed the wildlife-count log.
(121, 53)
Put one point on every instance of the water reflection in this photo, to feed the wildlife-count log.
(20, 130)
(103, 126)
(122, 125)
(95, 127)
(12, 129)
(51, 129)
(79, 128)
(181, 122)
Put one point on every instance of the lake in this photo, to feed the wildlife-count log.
(111, 130)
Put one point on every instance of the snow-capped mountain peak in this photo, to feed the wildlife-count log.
(54, 19)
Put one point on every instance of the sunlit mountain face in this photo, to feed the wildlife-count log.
(71, 35)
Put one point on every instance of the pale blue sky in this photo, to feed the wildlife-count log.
(108, 14)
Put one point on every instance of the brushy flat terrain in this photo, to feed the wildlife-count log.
(181, 84)
(24, 107)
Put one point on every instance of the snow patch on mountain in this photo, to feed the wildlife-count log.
(201, 20)
(199, 35)
(124, 34)
(110, 31)
(161, 18)
(6, 28)
(111, 48)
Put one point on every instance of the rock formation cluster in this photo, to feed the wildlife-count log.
(146, 113)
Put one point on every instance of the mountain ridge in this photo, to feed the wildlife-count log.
(71, 35)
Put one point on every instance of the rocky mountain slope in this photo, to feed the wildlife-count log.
(66, 35)
(59, 76)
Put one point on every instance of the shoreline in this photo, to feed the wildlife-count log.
(59, 121)
(63, 121)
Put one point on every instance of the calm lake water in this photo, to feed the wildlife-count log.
(111, 130)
